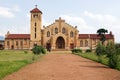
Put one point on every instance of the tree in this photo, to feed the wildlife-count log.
(101, 32)
(100, 51)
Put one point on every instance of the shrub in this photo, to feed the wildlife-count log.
(100, 50)
(44, 51)
(76, 51)
(38, 50)
(113, 52)
(73, 50)
(117, 47)
(118, 51)
(25, 51)
(110, 49)
(88, 50)
(113, 61)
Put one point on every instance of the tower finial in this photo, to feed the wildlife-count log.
(36, 5)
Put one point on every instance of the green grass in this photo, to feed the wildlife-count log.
(13, 60)
(94, 57)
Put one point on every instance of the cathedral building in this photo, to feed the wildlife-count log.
(58, 36)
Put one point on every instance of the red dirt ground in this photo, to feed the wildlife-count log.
(64, 67)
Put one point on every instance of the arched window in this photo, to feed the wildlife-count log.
(21, 43)
(81, 43)
(86, 43)
(35, 35)
(35, 29)
(71, 34)
(16, 43)
(94, 41)
(48, 34)
(8, 43)
(35, 24)
(63, 30)
(56, 30)
(35, 15)
(25, 41)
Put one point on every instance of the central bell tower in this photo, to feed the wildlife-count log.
(35, 24)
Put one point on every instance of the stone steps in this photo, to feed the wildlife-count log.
(62, 52)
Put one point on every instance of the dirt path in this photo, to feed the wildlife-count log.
(65, 67)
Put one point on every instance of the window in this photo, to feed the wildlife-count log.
(21, 43)
(25, 41)
(63, 30)
(71, 34)
(48, 34)
(35, 24)
(86, 43)
(16, 43)
(94, 41)
(35, 15)
(35, 32)
(56, 30)
(81, 43)
(8, 43)
(35, 35)
(35, 29)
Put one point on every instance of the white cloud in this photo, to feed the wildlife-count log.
(74, 19)
(1, 34)
(28, 16)
(16, 8)
(82, 25)
(101, 17)
(6, 12)
(15, 30)
(46, 22)
(109, 22)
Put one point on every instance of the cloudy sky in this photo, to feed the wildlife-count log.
(88, 15)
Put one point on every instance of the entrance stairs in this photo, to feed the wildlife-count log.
(61, 51)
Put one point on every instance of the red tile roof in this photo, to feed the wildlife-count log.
(18, 36)
(36, 10)
(83, 36)
(94, 36)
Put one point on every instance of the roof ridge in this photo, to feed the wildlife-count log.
(36, 10)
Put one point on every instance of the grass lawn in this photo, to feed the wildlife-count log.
(13, 60)
(94, 57)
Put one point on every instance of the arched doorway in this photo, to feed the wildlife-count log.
(60, 43)
(48, 45)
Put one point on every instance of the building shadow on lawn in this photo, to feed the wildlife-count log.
(86, 61)
(94, 66)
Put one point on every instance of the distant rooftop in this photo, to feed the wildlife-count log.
(18, 36)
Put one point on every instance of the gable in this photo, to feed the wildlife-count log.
(60, 24)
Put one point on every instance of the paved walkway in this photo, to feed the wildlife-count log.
(65, 67)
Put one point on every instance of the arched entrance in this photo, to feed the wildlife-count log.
(60, 43)
(48, 45)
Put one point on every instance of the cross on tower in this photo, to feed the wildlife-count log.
(60, 21)
(36, 6)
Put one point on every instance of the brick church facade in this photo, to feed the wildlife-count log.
(58, 35)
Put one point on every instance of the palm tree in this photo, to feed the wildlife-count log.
(101, 32)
